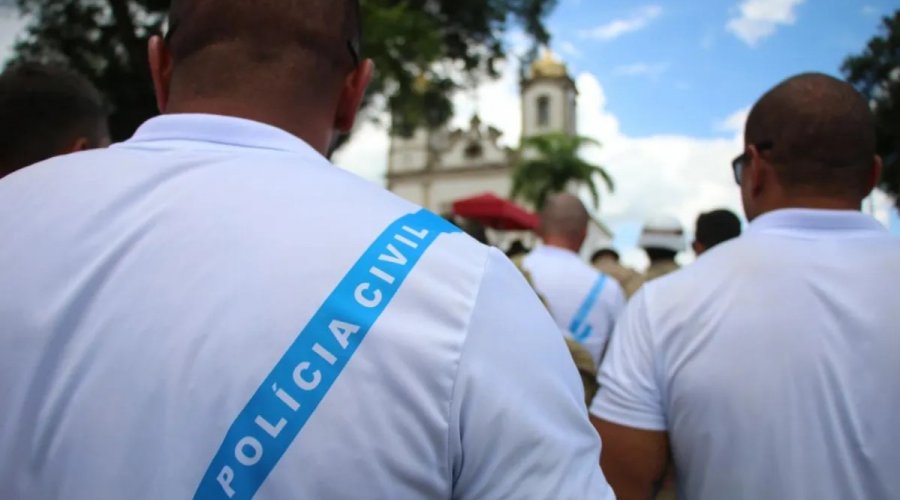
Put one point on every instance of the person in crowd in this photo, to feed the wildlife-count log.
(662, 238)
(714, 228)
(587, 369)
(607, 261)
(516, 250)
(768, 368)
(474, 229)
(46, 111)
(212, 310)
(584, 302)
(584, 361)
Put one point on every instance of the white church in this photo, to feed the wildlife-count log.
(435, 168)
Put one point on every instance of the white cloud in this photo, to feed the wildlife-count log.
(497, 103)
(735, 123)
(640, 19)
(652, 70)
(569, 49)
(758, 19)
(871, 10)
(663, 174)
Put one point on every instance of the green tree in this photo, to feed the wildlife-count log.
(876, 73)
(555, 165)
(424, 49)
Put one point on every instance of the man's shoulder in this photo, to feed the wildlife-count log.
(681, 286)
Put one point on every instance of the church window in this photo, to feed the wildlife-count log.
(543, 111)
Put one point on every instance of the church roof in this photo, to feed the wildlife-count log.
(548, 66)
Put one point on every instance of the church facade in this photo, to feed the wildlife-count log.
(434, 168)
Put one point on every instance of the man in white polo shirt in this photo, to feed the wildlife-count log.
(211, 310)
(584, 302)
(769, 368)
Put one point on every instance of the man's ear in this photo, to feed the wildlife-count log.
(80, 144)
(760, 173)
(160, 70)
(874, 175)
(352, 95)
(698, 248)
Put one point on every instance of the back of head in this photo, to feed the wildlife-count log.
(564, 221)
(44, 112)
(663, 236)
(717, 227)
(226, 49)
(822, 136)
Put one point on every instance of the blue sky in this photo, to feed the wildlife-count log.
(680, 69)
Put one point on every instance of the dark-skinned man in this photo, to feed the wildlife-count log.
(768, 368)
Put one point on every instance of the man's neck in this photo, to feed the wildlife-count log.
(562, 243)
(814, 203)
(313, 132)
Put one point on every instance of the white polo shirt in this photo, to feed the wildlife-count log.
(772, 362)
(584, 302)
(212, 310)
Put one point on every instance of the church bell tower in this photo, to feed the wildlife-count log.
(548, 99)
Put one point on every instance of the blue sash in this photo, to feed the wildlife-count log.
(579, 327)
(287, 398)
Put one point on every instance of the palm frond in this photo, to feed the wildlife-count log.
(557, 164)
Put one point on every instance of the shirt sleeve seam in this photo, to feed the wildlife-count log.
(625, 419)
(453, 423)
(654, 351)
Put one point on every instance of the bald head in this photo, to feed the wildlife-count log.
(218, 47)
(822, 134)
(564, 222)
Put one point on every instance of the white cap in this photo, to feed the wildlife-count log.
(663, 232)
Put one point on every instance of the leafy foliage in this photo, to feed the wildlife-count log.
(556, 165)
(423, 49)
(876, 73)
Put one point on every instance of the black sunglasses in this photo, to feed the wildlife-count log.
(737, 165)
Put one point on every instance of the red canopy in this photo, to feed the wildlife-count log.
(495, 212)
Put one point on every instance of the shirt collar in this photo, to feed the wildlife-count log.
(556, 251)
(220, 130)
(815, 220)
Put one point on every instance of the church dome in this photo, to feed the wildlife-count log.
(548, 66)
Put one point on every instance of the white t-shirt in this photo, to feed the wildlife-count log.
(772, 362)
(211, 308)
(584, 302)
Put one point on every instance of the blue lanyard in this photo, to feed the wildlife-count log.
(579, 327)
(287, 398)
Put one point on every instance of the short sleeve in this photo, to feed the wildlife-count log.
(519, 426)
(629, 388)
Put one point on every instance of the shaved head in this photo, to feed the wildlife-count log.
(565, 219)
(219, 46)
(822, 134)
